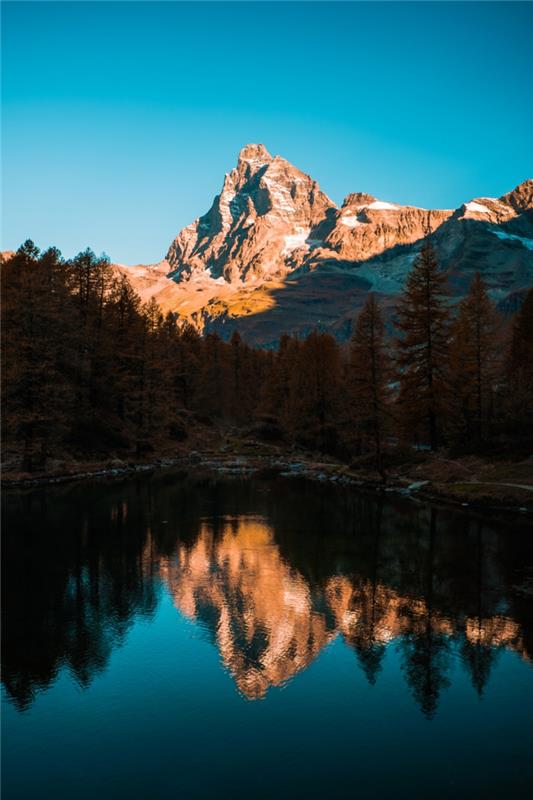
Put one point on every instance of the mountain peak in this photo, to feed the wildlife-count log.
(359, 199)
(271, 220)
(253, 153)
(261, 226)
(521, 197)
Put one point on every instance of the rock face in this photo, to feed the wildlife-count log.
(366, 227)
(263, 223)
(274, 254)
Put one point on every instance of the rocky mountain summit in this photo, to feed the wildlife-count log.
(275, 254)
(262, 224)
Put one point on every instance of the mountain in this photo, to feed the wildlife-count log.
(275, 254)
(266, 219)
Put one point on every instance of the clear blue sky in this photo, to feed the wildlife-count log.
(119, 120)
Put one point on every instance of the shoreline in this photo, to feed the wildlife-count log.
(505, 498)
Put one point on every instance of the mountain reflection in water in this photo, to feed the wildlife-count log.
(272, 572)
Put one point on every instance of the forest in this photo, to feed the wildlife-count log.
(90, 372)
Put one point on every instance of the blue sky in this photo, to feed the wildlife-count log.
(120, 120)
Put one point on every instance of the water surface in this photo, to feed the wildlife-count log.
(165, 637)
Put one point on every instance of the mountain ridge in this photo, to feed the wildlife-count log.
(271, 227)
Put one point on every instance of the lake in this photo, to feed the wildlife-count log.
(170, 637)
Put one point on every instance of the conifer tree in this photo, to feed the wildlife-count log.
(422, 348)
(276, 389)
(189, 357)
(237, 401)
(369, 374)
(123, 325)
(520, 370)
(90, 282)
(212, 389)
(33, 337)
(474, 362)
(314, 392)
(150, 392)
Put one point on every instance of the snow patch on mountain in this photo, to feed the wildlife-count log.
(527, 243)
(296, 240)
(387, 278)
(350, 221)
(477, 207)
(376, 205)
(381, 205)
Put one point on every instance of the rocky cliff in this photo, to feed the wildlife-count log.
(275, 254)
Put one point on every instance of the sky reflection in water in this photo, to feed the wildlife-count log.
(170, 636)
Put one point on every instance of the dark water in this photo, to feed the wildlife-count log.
(173, 639)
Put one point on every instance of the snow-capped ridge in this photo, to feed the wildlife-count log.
(477, 208)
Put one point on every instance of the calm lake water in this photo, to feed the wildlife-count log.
(170, 638)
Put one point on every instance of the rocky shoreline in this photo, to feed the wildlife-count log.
(508, 498)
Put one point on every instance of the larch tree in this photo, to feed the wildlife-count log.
(240, 390)
(474, 363)
(90, 282)
(422, 318)
(520, 370)
(275, 392)
(34, 344)
(212, 380)
(151, 371)
(189, 357)
(314, 392)
(123, 323)
(369, 376)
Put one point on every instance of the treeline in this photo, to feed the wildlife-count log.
(91, 371)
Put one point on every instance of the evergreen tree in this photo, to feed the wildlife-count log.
(276, 389)
(90, 282)
(149, 394)
(314, 392)
(188, 360)
(213, 376)
(474, 363)
(123, 325)
(520, 371)
(369, 377)
(422, 349)
(240, 390)
(34, 344)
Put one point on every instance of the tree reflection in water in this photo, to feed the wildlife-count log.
(273, 572)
